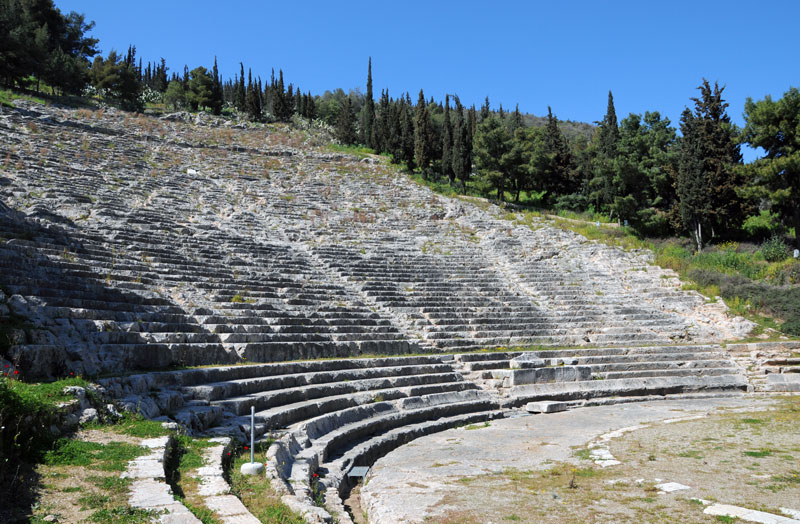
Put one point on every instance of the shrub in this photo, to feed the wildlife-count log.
(763, 225)
(776, 301)
(774, 249)
(792, 327)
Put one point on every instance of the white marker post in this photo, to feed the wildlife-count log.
(252, 468)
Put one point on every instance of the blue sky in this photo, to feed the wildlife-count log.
(568, 54)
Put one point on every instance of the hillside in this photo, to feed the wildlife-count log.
(141, 242)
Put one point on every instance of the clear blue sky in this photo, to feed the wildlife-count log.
(567, 54)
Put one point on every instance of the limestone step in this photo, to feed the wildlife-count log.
(625, 387)
(366, 453)
(289, 396)
(347, 436)
(248, 386)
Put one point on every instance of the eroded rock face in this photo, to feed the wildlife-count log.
(134, 242)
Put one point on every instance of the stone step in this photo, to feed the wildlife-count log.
(347, 436)
(589, 352)
(276, 398)
(248, 386)
(679, 372)
(367, 452)
(625, 387)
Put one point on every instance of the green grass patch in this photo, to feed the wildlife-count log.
(359, 151)
(46, 394)
(136, 425)
(758, 454)
(114, 484)
(205, 515)
(192, 452)
(113, 456)
(7, 97)
(257, 494)
(26, 413)
(691, 453)
(93, 501)
(124, 515)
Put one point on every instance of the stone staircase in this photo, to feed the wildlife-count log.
(586, 373)
(769, 366)
(328, 416)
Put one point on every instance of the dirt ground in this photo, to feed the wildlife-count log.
(73, 493)
(733, 454)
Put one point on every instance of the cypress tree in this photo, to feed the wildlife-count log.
(407, 132)
(462, 145)
(311, 107)
(422, 133)
(161, 77)
(345, 130)
(556, 145)
(239, 99)
(447, 142)
(485, 109)
(368, 112)
(381, 131)
(516, 120)
(289, 101)
(216, 91)
(473, 120)
(608, 136)
(251, 99)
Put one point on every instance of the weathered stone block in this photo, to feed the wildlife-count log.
(545, 406)
(548, 375)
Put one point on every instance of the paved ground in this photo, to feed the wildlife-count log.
(407, 484)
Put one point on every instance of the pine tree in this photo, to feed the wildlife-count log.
(447, 142)
(493, 159)
(707, 181)
(368, 112)
(775, 127)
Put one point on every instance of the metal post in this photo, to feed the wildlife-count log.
(252, 467)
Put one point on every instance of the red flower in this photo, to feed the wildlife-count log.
(16, 372)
